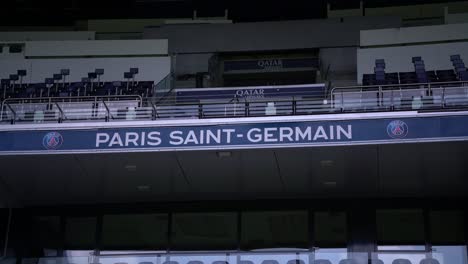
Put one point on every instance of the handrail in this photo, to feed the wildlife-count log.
(77, 98)
(62, 114)
(395, 85)
(13, 111)
(107, 109)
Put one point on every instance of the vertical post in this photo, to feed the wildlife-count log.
(443, 98)
(294, 106)
(7, 232)
(342, 102)
(200, 110)
(247, 109)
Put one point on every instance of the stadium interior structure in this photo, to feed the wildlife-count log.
(203, 140)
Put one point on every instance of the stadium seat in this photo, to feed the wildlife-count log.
(454, 57)
(322, 261)
(171, 262)
(220, 262)
(348, 261)
(401, 261)
(245, 262)
(145, 262)
(429, 261)
(195, 262)
(270, 261)
(295, 261)
(376, 261)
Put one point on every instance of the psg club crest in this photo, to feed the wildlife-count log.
(52, 140)
(397, 129)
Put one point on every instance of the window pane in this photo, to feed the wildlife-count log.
(447, 227)
(450, 254)
(400, 227)
(80, 233)
(330, 229)
(144, 231)
(46, 233)
(204, 231)
(274, 229)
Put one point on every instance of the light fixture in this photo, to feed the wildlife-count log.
(143, 188)
(330, 183)
(326, 163)
(224, 154)
(129, 167)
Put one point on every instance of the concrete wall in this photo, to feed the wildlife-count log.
(47, 35)
(150, 68)
(418, 11)
(456, 18)
(398, 36)
(282, 35)
(339, 59)
(96, 48)
(398, 59)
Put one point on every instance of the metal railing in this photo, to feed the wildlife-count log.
(60, 109)
(418, 97)
(264, 256)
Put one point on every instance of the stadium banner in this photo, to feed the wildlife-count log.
(236, 136)
(271, 64)
(302, 90)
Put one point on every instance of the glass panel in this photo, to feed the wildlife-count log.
(46, 233)
(389, 257)
(400, 227)
(3, 221)
(80, 233)
(193, 231)
(143, 231)
(274, 229)
(450, 254)
(330, 229)
(447, 227)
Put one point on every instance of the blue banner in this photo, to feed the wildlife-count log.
(232, 136)
(307, 90)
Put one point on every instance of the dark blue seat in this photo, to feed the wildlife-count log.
(295, 261)
(376, 261)
(454, 57)
(401, 261)
(322, 261)
(429, 261)
(270, 261)
(348, 261)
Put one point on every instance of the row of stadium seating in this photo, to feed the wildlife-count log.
(298, 261)
(40, 90)
(57, 86)
(420, 74)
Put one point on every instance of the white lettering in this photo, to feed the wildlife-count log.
(269, 136)
(341, 131)
(131, 137)
(101, 138)
(116, 140)
(176, 138)
(154, 139)
(320, 133)
(303, 135)
(210, 135)
(286, 133)
(255, 138)
(229, 133)
(191, 138)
